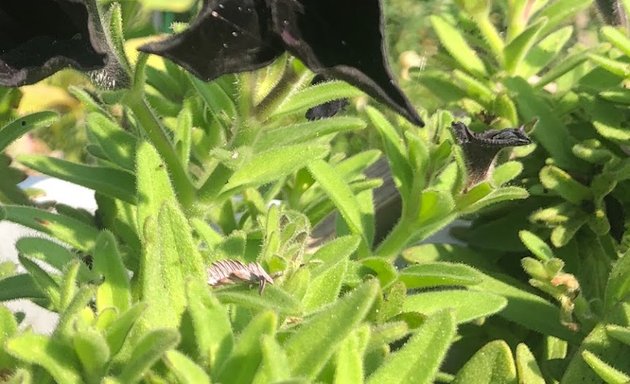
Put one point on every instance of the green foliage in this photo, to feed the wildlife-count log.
(187, 173)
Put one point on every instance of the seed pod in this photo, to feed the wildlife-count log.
(233, 271)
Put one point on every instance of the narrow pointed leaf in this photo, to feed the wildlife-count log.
(146, 353)
(316, 340)
(184, 369)
(526, 366)
(456, 45)
(114, 291)
(14, 130)
(492, 364)
(419, 359)
(468, 305)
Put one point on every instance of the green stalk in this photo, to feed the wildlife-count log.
(157, 136)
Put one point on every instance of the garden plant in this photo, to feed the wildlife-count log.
(241, 235)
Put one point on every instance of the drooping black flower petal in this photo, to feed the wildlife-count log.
(480, 149)
(41, 37)
(342, 39)
(227, 37)
(328, 109)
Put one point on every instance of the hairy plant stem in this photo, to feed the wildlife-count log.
(154, 130)
(406, 227)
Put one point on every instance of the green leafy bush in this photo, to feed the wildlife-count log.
(188, 173)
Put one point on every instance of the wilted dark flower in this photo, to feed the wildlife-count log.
(232, 271)
(480, 149)
(41, 37)
(340, 39)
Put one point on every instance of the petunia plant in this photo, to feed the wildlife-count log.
(248, 153)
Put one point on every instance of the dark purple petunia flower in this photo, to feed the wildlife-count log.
(341, 39)
(480, 149)
(41, 37)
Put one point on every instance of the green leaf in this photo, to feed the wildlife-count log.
(169, 261)
(274, 164)
(551, 132)
(305, 132)
(246, 355)
(617, 38)
(420, 357)
(206, 330)
(117, 331)
(43, 280)
(8, 328)
(325, 287)
(109, 181)
(114, 291)
(564, 185)
(506, 172)
(492, 364)
(339, 192)
(93, 352)
(497, 196)
(154, 184)
(20, 287)
(275, 365)
(146, 353)
(57, 359)
(118, 145)
(117, 38)
(315, 341)
(14, 130)
(318, 94)
(609, 374)
(395, 150)
(543, 53)
(559, 11)
(536, 245)
(52, 253)
(439, 274)
(618, 286)
(619, 68)
(349, 359)
(184, 369)
(215, 98)
(526, 366)
(475, 88)
(518, 48)
(456, 45)
(619, 333)
(273, 298)
(468, 305)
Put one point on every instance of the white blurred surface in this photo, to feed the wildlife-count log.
(40, 319)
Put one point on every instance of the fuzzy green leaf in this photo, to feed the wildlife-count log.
(114, 291)
(56, 358)
(506, 172)
(564, 185)
(169, 261)
(316, 95)
(468, 305)
(492, 364)
(8, 328)
(541, 54)
(108, 181)
(147, 352)
(439, 274)
(314, 342)
(419, 359)
(117, 331)
(618, 286)
(526, 366)
(118, 145)
(14, 130)
(456, 45)
(325, 287)
(184, 369)
(275, 364)
(516, 50)
(93, 352)
(273, 298)
(608, 373)
(246, 355)
(339, 192)
(274, 164)
(536, 245)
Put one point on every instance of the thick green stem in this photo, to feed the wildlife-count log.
(214, 183)
(396, 240)
(155, 132)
